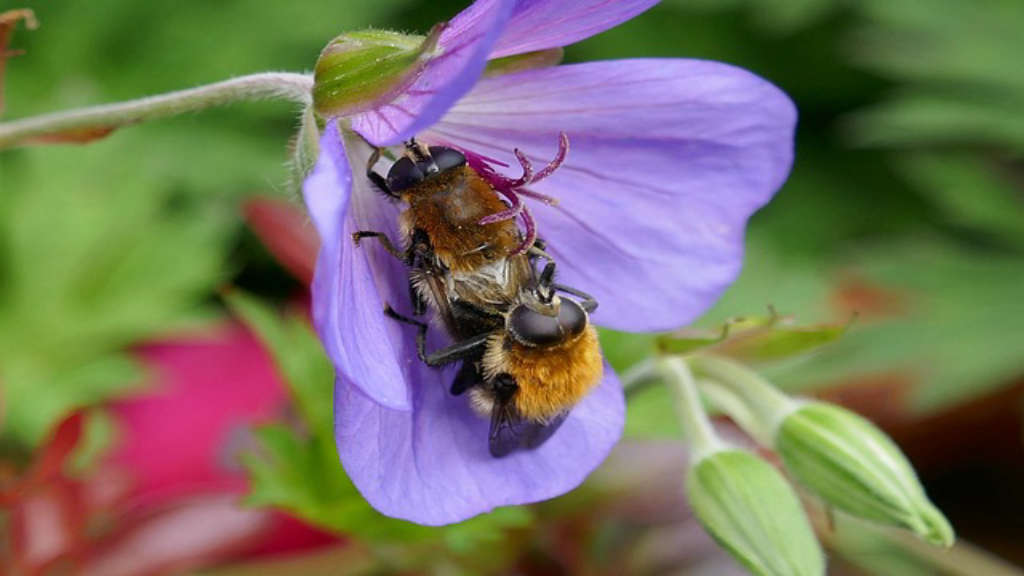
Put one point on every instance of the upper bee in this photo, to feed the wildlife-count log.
(416, 167)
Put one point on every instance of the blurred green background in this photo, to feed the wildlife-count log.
(905, 208)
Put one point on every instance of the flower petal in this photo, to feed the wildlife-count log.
(543, 24)
(432, 465)
(351, 283)
(668, 159)
(462, 51)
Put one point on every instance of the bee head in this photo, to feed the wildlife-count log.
(420, 163)
(531, 326)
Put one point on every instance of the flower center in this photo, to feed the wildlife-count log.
(513, 190)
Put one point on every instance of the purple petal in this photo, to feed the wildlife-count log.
(462, 55)
(367, 348)
(543, 24)
(432, 465)
(668, 159)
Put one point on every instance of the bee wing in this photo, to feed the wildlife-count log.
(467, 377)
(511, 432)
(433, 280)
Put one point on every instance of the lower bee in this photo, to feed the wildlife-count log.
(535, 363)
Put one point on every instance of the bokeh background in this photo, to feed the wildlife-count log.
(149, 281)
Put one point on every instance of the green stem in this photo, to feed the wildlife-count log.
(728, 402)
(766, 404)
(264, 86)
(676, 373)
(639, 376)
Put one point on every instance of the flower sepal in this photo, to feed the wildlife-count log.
(358, 71)
(855, 467)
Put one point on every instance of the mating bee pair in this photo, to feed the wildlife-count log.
(528, 353)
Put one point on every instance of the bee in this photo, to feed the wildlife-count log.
(454, 259)
(530, 369)
(528, 355)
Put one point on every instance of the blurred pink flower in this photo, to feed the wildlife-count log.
(172, 485)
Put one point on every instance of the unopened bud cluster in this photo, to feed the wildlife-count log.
(746, 503)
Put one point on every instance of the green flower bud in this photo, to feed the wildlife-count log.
(751, 511)
(520, 62)
(358, 70)
(855, 467)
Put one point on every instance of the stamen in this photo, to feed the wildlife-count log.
(531, 232)
(563, 151)
(513, 190)
(549, 200)
(499, 181)
(515, 207)
(527, 176)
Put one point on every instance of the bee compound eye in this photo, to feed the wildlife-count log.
(404, 174)
(447, 158)
(533, 328)
(572, 318)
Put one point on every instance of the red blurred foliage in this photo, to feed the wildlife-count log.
(855, 296)
(8, 20)
(285, 230)
(167, 498)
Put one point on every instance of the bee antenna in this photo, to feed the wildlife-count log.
(547, 277)
(421, 154)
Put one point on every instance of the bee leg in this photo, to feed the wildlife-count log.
(375, 177)
(537, 251)
(419, 305)
(454, 353)
(381, 237)
(420, 253)
(589, 303)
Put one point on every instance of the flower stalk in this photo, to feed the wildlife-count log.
(743, 502)
(87, 123)
(766, 406)
(834, 453)
(677, 375)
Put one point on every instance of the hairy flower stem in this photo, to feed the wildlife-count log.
(99, 119)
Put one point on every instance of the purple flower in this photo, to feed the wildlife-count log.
(669, 158)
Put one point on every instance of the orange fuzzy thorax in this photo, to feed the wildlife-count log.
(447, 207)
(551, 380)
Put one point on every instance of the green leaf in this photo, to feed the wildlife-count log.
(753, 339)
(773, 343)
(92, 263)
(958, 84)
(955, 331)
(970, 192)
